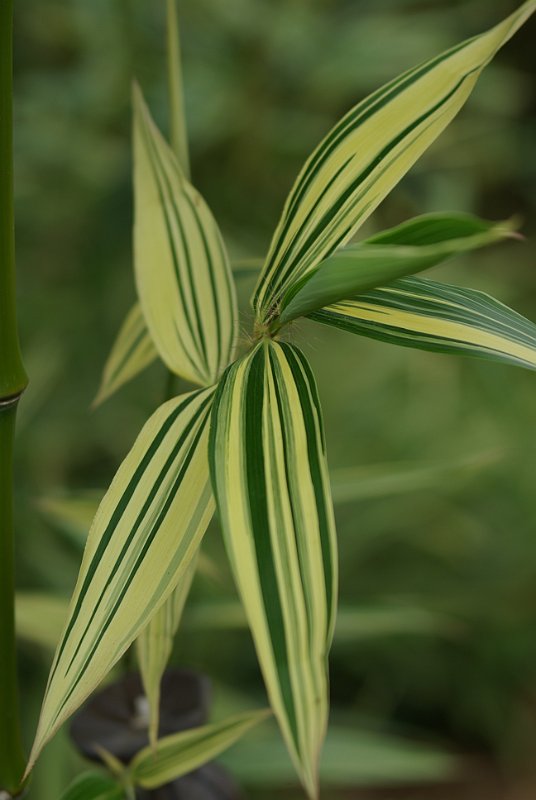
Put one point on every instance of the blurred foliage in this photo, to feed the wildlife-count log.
(264, 81)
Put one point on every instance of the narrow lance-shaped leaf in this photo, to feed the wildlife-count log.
(155, 643)
(415, 245)
(182, 272)
(183, 752)
(366, 154)
(269, 475)
(132, 351)
(427, 315)
(93, 786)
(146, 531)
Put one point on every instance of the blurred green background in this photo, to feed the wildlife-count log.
(434, 665)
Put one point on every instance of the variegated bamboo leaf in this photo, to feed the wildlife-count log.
(427, 315)
(155, 643)
(269, 475)
(132, 351)
(366, 154)
(146, 531)
(182, 272)
(414, 246)
(183, 752)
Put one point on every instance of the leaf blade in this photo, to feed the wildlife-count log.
(427, 315)
(132, 351)
(182, 271)
(155, 643)
(412, 247)
(93, 786)
(183, 752)
(367, 152)
(147, 529)
(269, 476)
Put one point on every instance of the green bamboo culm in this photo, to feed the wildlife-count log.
(12, 383)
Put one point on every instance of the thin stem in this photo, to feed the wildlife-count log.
(177, 119)
(12, 383)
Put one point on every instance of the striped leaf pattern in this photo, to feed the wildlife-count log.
(182, 272)
(415, 245)
(155, 643)
(269, 475)
(183, 752)
(427, 315)
(144, 536)
(366, 154)
(131, 353)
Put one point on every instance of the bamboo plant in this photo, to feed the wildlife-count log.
(248, 438)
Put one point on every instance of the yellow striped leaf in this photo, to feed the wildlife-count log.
(183, 752)
(155, 643)
(416, 245)
(132, 351)
(269, 475)
(427, 315)
(366, 154)
(182, 272)
(146, 531)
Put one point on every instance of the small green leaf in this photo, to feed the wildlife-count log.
(176, 755)
(93, 786)
(416, 245)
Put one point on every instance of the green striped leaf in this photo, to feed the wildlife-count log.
(366, 154)
(182, 272)
(132, 351)
(415, 245)
(183, 752)
(427, 315)
(93, 786)
(269, 475)
(146, 531)
(155, 643)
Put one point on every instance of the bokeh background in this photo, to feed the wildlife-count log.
(433, 457)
